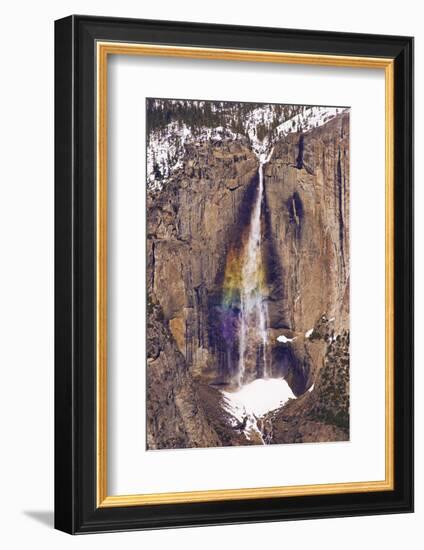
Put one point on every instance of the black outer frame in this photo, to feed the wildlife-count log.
(75, 274)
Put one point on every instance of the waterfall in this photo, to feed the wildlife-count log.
(244, 313)
(253, 305)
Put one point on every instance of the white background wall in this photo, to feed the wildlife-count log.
(26, 272)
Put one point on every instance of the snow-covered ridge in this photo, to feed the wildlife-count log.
(263, 125)
(304, 121)
(165, 149)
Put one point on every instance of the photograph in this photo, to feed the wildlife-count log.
(233, 232)
(247, 273)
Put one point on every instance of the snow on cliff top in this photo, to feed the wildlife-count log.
(311, 118)
(165, 150)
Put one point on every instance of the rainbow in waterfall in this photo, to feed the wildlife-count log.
(244, 307)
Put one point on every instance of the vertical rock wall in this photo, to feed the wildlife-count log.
(191, 225)
(307, 235)
(307, 214)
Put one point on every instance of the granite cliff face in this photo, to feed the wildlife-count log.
(322, 413)
(307, 215)
(190, 224)
(175, 415)
(198, 234)
(307, 205)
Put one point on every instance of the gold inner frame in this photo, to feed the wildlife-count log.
(103, 50)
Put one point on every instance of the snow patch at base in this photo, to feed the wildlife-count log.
(256, 399)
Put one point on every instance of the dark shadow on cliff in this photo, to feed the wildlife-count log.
(235, 233)
(225, 349)
(292, 367)
(273, 268)
(296, 213)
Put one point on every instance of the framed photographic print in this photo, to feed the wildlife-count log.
(234, 268)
